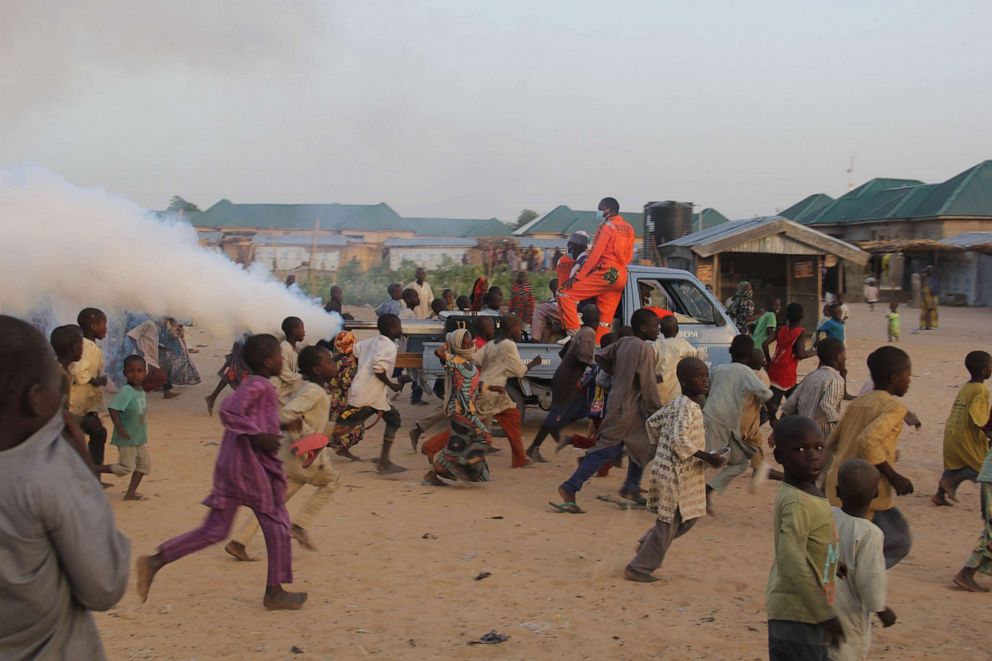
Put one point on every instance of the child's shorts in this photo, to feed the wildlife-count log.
(132, 458)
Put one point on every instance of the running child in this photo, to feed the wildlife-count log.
(568, 402)
(248, 473)
(128, 411)
(870, 430)
(790, 347)
(862, 584)
(669, 351)
(753, 415)
(86, 396)
(820, 394)
(799, 600)
(833, 326)
(303, 416)
(730, 384)
(965, 442)
(61, 556)
(368, 394)
(231, 373)
(678, 477)
(980, 559)
(288, 380)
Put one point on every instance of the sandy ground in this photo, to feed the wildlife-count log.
(394, 577)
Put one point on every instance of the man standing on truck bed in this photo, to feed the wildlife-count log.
(604, 274)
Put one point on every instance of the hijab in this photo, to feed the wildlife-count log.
(456, 341)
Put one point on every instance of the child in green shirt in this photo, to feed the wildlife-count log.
(128, 413)
(892, 321)
(802, 621)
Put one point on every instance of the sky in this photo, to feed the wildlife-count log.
(465, 108)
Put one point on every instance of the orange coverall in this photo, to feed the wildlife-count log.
(602, 277)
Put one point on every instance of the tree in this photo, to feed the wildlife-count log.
(525, 217)
(179, 204)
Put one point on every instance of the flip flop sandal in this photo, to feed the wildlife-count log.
(567, 508)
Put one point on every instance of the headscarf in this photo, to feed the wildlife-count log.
(344, 342)
(741, 307)
(456, 341)
(479, 290)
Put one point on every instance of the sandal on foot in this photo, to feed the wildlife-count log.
(569, 507)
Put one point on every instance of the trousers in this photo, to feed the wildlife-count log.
(320, 475)
(737, 463)
(605, 294)
(656, 541)
(898, 540)
(217, 525)
(595, 460)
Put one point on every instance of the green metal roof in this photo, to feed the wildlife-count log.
(300, 216)
(967, 194)
(708, 218)
(369, 217)
(457, 227)
(564, 220)
(807, 208)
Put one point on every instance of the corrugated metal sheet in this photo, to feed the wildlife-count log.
(969, 239)
(431, 242)
(323, 241)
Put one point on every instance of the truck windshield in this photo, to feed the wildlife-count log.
(682, 297)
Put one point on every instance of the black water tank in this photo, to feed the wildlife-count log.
(666, 221)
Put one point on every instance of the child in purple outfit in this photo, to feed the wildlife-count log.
(249, 473)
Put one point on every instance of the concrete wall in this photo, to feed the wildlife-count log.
(289, 258)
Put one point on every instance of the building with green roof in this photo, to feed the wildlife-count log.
(893, 209)
(563, 220)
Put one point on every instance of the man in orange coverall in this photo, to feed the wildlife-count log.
(604, 273)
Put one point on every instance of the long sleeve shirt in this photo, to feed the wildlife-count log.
(613, 247)
(498, 362)
(85, 397)
(244, 473)
(422, 311)
(61, 555)
(818, 397)
(725, 403)
(289, 379)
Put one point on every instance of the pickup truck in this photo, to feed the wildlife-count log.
(702, 321)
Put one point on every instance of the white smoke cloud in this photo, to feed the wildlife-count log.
(77, 247)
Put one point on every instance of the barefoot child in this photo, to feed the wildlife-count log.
(86, 398)
(965, 442)
(367, 396)
(981, 558)
(802, 620)
(305, 414)
(287, 381)
(862, 582)
(870, 430)
(128, 411)
(61, 555)
(231, 373)
(678, 477)
(248, 473)
(751, 419)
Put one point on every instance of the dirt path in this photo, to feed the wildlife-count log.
(394, 577)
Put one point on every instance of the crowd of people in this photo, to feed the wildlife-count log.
(653, 404)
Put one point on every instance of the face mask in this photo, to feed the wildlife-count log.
(599, 216)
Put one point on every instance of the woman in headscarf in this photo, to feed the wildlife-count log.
(479, 291)
(172, 338)
(463, 453)
(337, 387)
(741, 308)
(929, 293)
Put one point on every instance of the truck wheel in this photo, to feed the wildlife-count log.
(513, 390)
